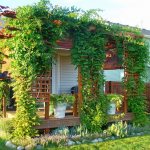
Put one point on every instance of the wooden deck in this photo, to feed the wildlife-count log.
(69, 120)
(119, 116)
(56, 122)
(72, 121)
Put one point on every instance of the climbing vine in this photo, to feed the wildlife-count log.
(4, 91)
(32, 53)
(133, 50)
(32, 50)
(88, 54)
(137, 56)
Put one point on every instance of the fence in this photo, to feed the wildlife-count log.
(116, 87)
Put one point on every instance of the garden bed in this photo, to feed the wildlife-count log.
(136, 143)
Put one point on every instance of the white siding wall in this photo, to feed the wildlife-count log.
(68, 74)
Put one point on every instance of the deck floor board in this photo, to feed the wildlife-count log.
(69, 120)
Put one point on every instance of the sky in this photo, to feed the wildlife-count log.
(126, 12)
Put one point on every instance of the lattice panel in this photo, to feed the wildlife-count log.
(41, 88)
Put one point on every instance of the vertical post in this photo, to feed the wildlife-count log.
(75, 105)
(46, 131)
(79, 89)
(125, 101)
(125, 91)
(46, 110)
(46, 115)
(47, 97)
(110, 87)
(47, 94)
(4, 107)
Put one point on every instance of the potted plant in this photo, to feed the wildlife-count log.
(60, 102)
(115, 102)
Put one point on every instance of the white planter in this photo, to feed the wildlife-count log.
(112, 109)
(59, 110)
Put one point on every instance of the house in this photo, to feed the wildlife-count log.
(65, 75)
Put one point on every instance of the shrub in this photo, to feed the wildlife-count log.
(6, 125)
(118, 129)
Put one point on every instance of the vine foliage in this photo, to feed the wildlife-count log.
(32, 50)
(88, 54)
(135, 63)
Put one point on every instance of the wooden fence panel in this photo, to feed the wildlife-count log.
(116, 87)
(147, 92)
(113, 87)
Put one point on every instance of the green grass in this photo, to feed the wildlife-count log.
(132, 143)
(2, 144)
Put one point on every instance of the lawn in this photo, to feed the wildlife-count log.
(132, 143)
(2, 145)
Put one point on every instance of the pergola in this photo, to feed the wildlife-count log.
(111, 63)
(41, 87)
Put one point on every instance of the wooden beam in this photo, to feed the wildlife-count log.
(117, 117)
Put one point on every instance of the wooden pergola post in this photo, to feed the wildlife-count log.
(75, 105)
(47, 84)
(47, 99)
(110, 87)
(46, 110)
(4, 107)
(125, 91)
(125, 95)
(79, 89)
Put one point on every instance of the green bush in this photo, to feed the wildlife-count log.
(118, 129)
(93, 113)
(6, 125)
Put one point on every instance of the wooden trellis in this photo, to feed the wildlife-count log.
(41, 89)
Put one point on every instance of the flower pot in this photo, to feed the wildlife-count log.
(112, 109)
(59, 110)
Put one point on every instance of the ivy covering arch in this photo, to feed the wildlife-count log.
(32, 50)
